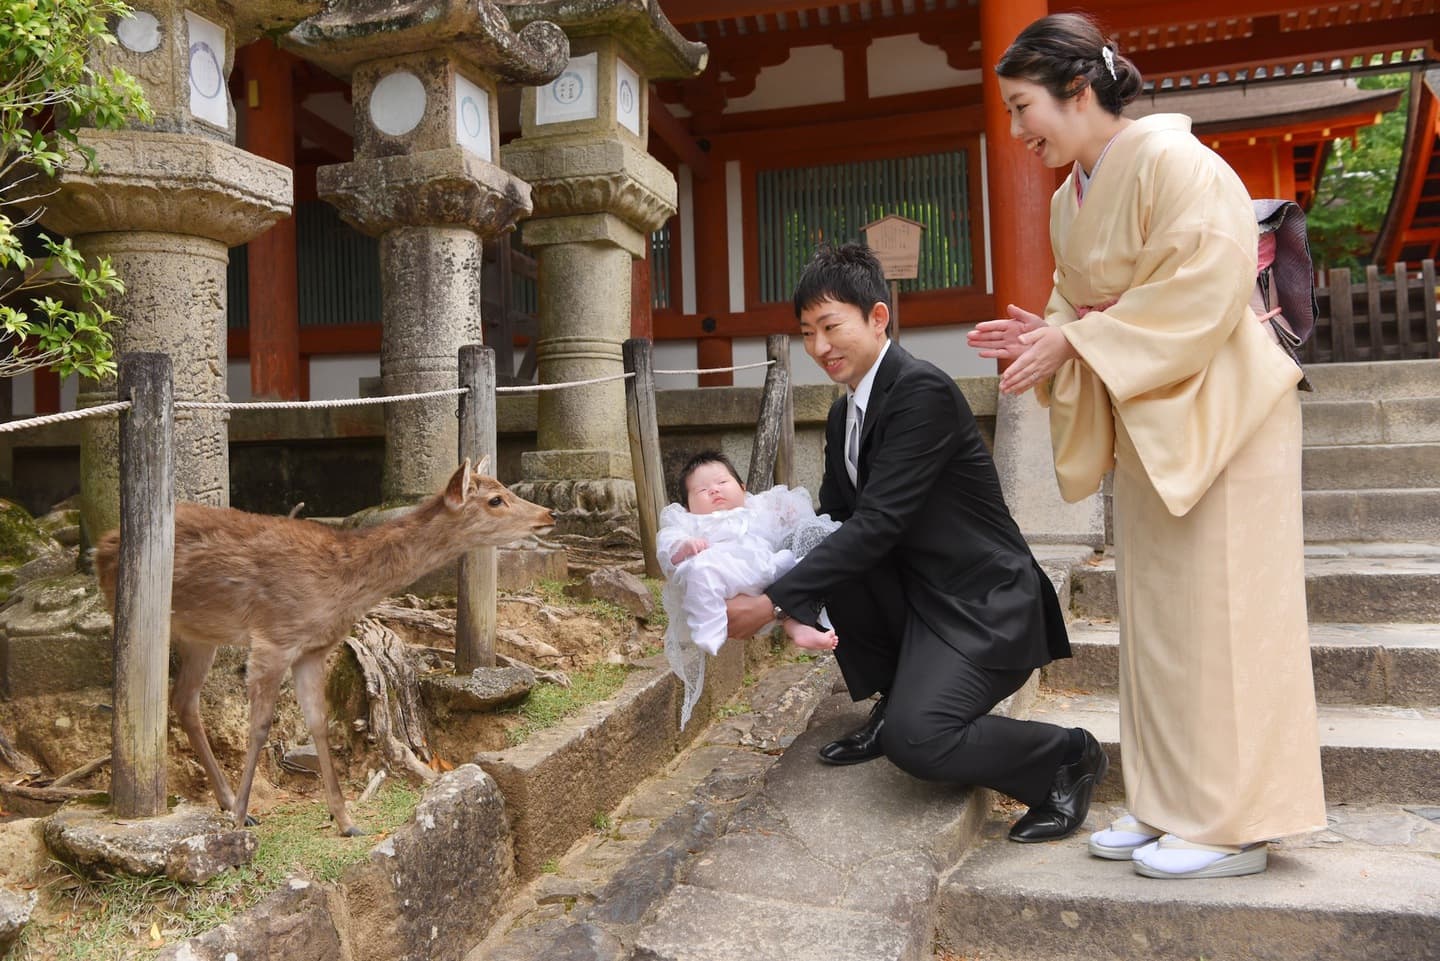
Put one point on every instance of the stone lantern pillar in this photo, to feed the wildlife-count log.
(164, 202)
(598, 195)
(424, 86)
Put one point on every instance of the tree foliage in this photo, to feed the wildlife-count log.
(51, 310)
(1355, 187)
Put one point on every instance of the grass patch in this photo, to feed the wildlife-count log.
(659, 618)
(549, 704)
(553, 592)
(124, 917)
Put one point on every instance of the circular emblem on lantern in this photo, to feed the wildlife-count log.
(397, 104)
(568, 87)
(205, 74)
(140, 32)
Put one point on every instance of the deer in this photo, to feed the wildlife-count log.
(290, 590)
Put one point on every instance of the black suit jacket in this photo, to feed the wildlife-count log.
(928, 504)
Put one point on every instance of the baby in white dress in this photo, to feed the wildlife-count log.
(722, 542)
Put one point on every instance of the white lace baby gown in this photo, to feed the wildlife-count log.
(750, 547)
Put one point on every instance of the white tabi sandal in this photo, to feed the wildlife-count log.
(1176, 858)
(1122, 838)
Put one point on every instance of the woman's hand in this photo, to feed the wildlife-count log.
(1044, 350)
(1001, 338)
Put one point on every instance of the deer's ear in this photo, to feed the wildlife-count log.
(484, 465)
(459, 487)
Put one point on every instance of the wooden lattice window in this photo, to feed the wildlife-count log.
(800, 207)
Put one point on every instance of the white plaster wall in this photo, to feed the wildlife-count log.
(331, 378)
(812, 75)
(905, 64)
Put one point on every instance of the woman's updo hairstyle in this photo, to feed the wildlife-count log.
(1065, 53)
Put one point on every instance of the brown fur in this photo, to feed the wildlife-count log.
(290, 590)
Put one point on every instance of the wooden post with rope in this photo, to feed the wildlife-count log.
(144, 575)
(772, 454)
(478, 577)
(644, 430)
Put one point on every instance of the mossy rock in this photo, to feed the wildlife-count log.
(21, 538)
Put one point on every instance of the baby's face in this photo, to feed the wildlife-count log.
(712, 488)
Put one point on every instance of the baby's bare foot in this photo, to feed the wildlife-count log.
(811, 639)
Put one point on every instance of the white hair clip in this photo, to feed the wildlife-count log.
(1108, 56)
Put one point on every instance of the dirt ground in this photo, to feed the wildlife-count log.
(63, 732)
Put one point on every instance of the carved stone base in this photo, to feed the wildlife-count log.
(589, 507)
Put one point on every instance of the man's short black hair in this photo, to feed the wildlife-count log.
(847, 274)
(699, 461)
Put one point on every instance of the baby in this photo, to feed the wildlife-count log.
(722, 542)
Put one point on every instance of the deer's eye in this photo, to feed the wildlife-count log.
(497, 501)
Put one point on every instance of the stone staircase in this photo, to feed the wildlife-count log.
(1367, 888)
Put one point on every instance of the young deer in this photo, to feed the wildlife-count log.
(290, 590)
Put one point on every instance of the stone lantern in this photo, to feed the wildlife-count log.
(424, 181)
(598, 195)
(165, 202)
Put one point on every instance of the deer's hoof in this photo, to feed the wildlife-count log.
(249, 821)
(352, 832)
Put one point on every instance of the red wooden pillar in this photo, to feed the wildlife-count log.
(1020, 187)
(274, 282)
(712, 275)
(641, 322)
(47, 391)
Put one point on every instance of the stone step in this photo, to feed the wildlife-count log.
(1344, 582)
(1369, 887)
(1401, 420)
(1371, 466)
(1372, 515)
(1374, 380)
(1370, 754)
(1395, 664)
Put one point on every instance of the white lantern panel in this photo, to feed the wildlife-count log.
(140, 32)
(627, 97)
(209, 100)
(571, 96)
(397, 104)
(472, 118)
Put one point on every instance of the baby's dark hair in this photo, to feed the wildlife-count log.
(699, 461)
(847, 274)
(1065, 53)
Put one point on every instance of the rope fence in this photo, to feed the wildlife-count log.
(102, 409)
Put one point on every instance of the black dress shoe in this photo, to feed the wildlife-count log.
(862, 744)
(1063, 811)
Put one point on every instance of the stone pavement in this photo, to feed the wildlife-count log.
(748, 847)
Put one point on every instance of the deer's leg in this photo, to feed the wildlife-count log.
(309, 674)
(264, 671)
(195, 661)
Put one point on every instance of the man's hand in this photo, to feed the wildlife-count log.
(747, 613)
(688, 548)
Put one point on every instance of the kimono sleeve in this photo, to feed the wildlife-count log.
(1082, 423)
(1193, 273)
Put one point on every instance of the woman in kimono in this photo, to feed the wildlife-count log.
(1152, 364)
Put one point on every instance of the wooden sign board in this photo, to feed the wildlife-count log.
(896, 242)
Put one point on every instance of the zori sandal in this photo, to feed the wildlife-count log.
(1173, 857)
(1120, 840)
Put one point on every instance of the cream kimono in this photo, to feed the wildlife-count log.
(1180, 390)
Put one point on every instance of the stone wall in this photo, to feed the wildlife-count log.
(331, 458)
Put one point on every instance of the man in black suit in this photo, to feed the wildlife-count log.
(939, 605)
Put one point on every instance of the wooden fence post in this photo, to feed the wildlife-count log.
(143, 585)
(772, 452)
(644, 429)
(1427, 298)
(1373, 312)
(1342, 317)
(476, 585)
